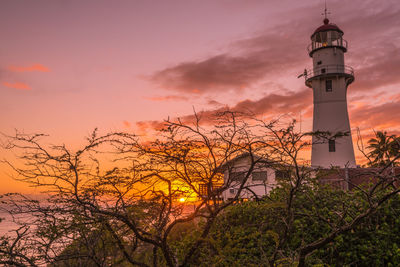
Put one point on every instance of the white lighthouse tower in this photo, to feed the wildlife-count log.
(329, 80)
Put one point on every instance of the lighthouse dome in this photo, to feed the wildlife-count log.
(328, 27)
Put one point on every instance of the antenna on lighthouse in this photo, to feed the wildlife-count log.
(326, 12)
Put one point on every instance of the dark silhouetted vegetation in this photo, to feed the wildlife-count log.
(115, 202)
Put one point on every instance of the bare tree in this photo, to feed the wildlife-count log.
(127, 187)
(116, 200)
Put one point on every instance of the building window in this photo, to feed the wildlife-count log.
(319, 62)
(332, 146)
(216, 187)
(203, 191)
(323, 71)
(328, 85)
(259, 176)
(281, 174)
(237, 176)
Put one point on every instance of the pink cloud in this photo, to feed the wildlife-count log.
(17, 85)
(143, 126)
(213, 102)
(264, 57)
(167, 98)
(35, 67)
(270, 106)
(245, 62)
(382, 70)
(276, 104)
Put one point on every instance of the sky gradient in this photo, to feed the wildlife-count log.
(68, 67)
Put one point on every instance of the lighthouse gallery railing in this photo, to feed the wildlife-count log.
(328, 69)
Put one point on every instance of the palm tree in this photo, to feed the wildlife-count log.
(395, 148)
(383, 149)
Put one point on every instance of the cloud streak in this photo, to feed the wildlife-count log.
(167, 98)
(35, 67)
(17, 85)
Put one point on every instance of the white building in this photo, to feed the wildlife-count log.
(260, 180)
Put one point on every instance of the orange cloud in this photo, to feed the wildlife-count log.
(34, 67)
(144, 126)
(127, 124)
(214, 103)
(382, 116)
(17, 85)
(167, 98)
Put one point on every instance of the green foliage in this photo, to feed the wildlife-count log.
(244, 235)
(253, 234)
(384, 149)
(375, 242)
(249, 233)
(183, 235)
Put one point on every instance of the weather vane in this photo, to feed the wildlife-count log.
(326, 11)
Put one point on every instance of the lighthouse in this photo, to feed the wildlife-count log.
(329, 79)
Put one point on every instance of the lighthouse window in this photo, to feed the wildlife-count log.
(328, 85)
(319, 62)
(332, 146)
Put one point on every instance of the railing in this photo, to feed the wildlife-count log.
(329, 43)
(327, 69)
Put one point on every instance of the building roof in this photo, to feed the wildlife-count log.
(229, 163)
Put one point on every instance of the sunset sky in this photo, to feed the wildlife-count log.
(70, 66)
